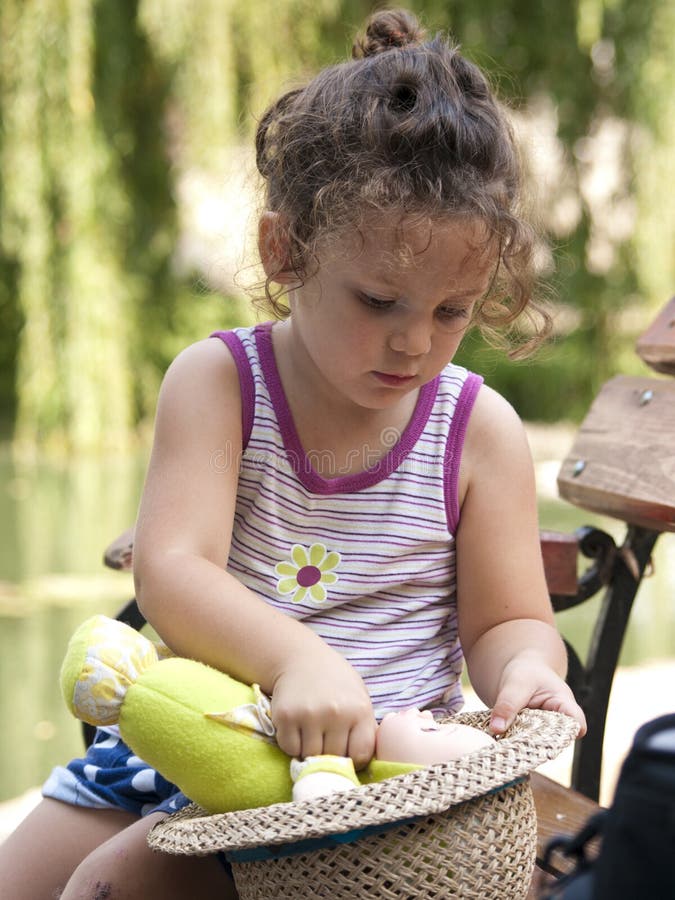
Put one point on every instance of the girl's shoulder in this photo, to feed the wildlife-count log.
(495, 433)
(494, 418)
(496, 451)
(208, 362)
(201, 383)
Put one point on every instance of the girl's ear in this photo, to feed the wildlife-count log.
(274, 248)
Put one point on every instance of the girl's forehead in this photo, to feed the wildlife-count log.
(397, 240)
(385, 247)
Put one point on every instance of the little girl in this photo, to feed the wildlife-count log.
(333, 509)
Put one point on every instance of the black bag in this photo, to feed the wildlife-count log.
(637, 854)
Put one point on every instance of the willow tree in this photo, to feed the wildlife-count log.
(229, 59)
(124, 124)
(653, 105)
(107, 108)
(86, 215)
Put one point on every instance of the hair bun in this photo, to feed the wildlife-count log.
(387, 30)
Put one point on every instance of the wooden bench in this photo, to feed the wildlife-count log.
(622, 465)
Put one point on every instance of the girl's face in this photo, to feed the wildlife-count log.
(388, 307)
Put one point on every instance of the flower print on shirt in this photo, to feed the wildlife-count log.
(307, 573)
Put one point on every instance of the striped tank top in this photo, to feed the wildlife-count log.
(366, 560)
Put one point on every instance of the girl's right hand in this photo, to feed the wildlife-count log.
(321, 705)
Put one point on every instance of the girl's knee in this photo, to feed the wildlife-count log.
(125, 868)
(103, 875)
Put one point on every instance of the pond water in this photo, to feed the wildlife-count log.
(56, 520)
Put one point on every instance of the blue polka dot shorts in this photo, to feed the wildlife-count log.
(110, 776)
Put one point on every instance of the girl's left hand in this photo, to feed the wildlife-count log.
(531, 684)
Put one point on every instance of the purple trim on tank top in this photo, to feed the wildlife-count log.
(455, 445)
(246, 383)
(297, 457)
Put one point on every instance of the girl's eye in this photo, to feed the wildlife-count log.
(448, 313)
(376, 303)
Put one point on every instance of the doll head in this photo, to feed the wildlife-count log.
(414, 736)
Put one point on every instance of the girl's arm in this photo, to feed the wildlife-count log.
(319, 702)
(514, 654)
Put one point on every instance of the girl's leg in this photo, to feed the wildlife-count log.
(38, 858)
(96, 853)
(125, 868)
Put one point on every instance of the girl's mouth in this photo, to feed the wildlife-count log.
(393, 380)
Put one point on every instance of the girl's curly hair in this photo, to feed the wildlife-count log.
(407, 125)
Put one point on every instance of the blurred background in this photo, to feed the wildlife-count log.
(128, 204)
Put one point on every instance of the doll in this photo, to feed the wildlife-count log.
(213, 736)
(412, 737)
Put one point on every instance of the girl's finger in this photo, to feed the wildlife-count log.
(311, 741)
(289, 739)
(513, 697)
(570, 708)
(336, 741)
(361, 744)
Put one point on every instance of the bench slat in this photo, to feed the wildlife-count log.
(656, 346)
(560, 811)
(119, 554)
(560, 551)
(621, 463)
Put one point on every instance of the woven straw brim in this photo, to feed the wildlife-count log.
(481, 850)
(535, 737)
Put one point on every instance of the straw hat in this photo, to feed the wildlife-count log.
(465, 828)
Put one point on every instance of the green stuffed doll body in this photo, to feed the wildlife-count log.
(204, 731)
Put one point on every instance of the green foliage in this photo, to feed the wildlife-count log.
(10, 328)
(551, 385)
(68, 219)
(109, 107)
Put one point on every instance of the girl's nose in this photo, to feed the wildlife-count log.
(412, 338)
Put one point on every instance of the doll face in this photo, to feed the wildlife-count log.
(414, 736)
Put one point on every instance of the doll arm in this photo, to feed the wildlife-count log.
(320, 776)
